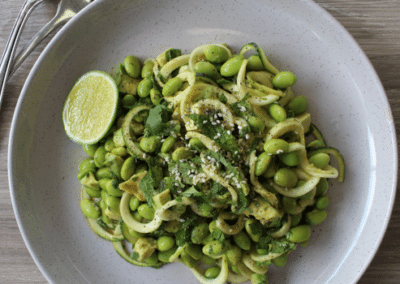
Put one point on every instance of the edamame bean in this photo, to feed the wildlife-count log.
(147, 70)
(164, 256)
(142, 167)
(155, 96)
(90, 149)
(128, 101)
(257, 278)
(87, 166)
(168, 144)
(199, 233)
(216, 54)
(132, 66)
(296, 219)
(316, 144)
(89, 209)
(212, 272)
(262, 163)
(112, 188)
(316, 217)
(254, 63)
(165, 243)
(234, 255)
(323, 202)
(112, 203)
(281, 260)
(188, 260)
(93, 192)
(256, 124)
(242, 240)
(144, 87)
(146, 212)
(277, 112)
(232, 66)
(196, 144)
(207, 260)
(134, 203)
(100, 156)
(214, 248)
(182, 153)
(128, 168)
(120, 151)
(299, 234)
(109, 145)
(322, 187)
(194, 251)
(172, 86)
(298, 105)
(320, 160)
(103, 173)
(149, 144)
(285, 177)
(290, 159)
(284, 79)
(270, 172)
(152, 259)
(206, 68)
(276, 146)
(289, 204)
(205, 209)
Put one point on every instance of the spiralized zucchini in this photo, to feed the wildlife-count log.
(191, 177)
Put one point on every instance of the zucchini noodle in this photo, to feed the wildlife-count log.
(190, 177)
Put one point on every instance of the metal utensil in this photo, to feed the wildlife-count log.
(66, 10)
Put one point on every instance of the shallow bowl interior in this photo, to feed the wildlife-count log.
(346, 100)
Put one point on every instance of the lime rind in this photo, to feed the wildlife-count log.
(87, 117)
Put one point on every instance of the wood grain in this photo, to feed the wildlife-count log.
(375, 24)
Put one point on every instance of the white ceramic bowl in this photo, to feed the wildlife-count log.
(346, 100)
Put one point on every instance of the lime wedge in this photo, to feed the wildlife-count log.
(91, 107)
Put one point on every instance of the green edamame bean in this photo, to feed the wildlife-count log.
(140, 168)
(155, 96)
(262, 163)
(269, 173)
(172, 86)
(205, 209)
(165, 243)
(112, 188)
(196, 144)
(316, 144)
(89, 209)
(284, 79)
(109, 145)
(120, 151)
(296, 219)
(257, 278)
(281, 260)
(289, 204)
(134, 203)
(285, 177)
(87, 165)
(128, 168)
(242, 240)
(164, 256)
(299, 234)
(277, 112)
(112, 203)
(168, 144)
(152, 259)
(118, 73)
(90, 149)
(132, 66)
(212, 226)
(290, 159)
(323, 202)
(216, 54)
(100, 156)
(212, 272)
(316, 217)
(254, 63)
(214, 248)
(322, 187)
(194, 251)
(207, 260)
(147, 70)
(182, 153)
(276, 146)
(253, 229)
(206, 68)
(146, 212)
(144, 87)
(149, 144)
(320, 160)
(137, 216)
(128, 101)
(234, 255)
(188, 260)
(256, 124)
(232, 66)
(298, 105)
(92, 192)
(199, 233)
(103, 173)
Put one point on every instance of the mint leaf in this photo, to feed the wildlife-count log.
(183, 235)
(157, 121)
(146, 185)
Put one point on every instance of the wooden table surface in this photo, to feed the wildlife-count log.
(375, 24)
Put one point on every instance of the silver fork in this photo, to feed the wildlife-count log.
(66, 10)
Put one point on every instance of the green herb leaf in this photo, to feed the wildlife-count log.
(157, 120)
(218, 235)
(146, 185)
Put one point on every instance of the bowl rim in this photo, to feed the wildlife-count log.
(82, 14)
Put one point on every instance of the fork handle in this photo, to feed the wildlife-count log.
(11, 45)
(59, 19)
